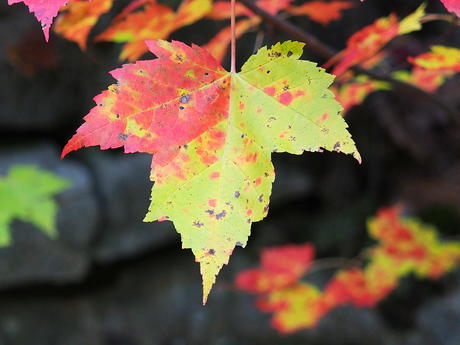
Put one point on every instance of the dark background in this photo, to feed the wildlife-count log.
(110, 279)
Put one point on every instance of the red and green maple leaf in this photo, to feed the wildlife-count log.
(411, 246)
(212, 133)
(44, 11)
(368, 41)
(440, 58)
(148, 20)
(79, 17)
(294, 308)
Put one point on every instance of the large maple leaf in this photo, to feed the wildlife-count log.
(25, 194)
(212, 134)
(44, 11)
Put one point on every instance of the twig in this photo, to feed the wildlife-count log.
(329, 263)
(323, 50)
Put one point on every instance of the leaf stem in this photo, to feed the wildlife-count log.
(233, 44)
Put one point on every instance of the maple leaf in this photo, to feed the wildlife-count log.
(25, 195)
(281, 267)
(411, 245)
(148, 20)
(78, 19)
(428, 80)
(361, 287)
(440, 58)
(355, 91)
(320, 11)
(367, 42)
(44, 11)
(295, 308)
(212, 134)
(452, 6)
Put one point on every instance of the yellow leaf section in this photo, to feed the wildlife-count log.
(413, 21)
(439, 58)
(294, 308)
(219, 183)
(149, 20)
(78, 18)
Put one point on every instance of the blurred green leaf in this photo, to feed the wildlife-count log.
(25, 194)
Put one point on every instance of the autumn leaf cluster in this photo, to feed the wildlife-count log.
(405, 246)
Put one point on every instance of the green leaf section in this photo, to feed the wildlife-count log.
(25, 194)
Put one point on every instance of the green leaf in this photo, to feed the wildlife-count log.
(25, 195)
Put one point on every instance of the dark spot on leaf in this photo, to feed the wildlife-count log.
(198, 224)
(185, 98)
(266, 174)
(206, 73)
(248, 220)
(268, 72)
(266, 208)
(210, 212)
(261, 197)
(181, 107)
(123, 136)
(289, 53)
(337, 146)
(237, 194)
(211, 251)
(221, 215)
(116, 115)
(286, 87)
(238, 244)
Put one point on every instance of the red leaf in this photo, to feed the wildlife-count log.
(320, 11)
(452, 6)
(280, 268)
(44, 11)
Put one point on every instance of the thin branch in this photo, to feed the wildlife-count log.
(323, 50)
(333, 263)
